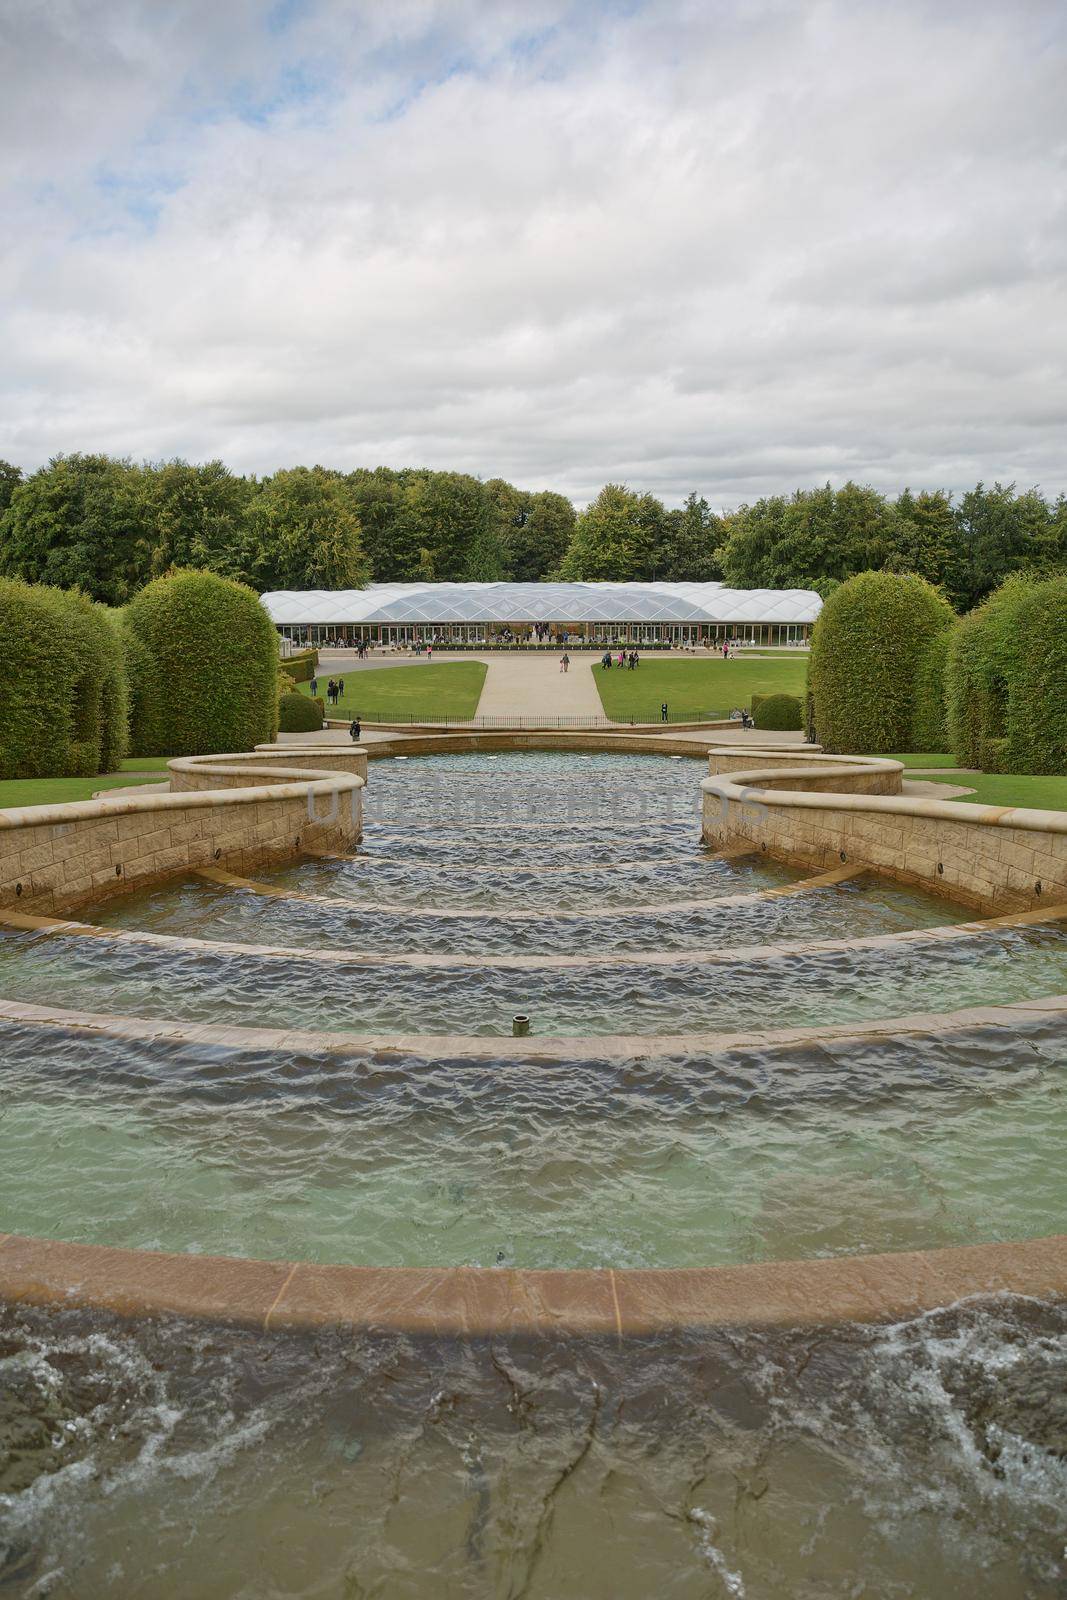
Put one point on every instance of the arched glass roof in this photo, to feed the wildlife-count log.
(432, 603)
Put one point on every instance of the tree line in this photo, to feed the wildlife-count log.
(109, 526)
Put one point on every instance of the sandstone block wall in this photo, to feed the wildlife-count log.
(54, 858)
(995, 859)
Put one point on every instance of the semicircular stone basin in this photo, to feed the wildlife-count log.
(727, 1204)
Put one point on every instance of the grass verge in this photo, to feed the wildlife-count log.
(431, 692)
(705, 688)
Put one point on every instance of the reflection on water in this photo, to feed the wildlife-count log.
(918, 1461)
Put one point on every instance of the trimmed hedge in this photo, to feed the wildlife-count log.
(1006, 671)
(62, 684)
(781, 712)
(871, 662)
(929, 726)
(211, 682)
(299, 714)
(971, 695)
(303, 667)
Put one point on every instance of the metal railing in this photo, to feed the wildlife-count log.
(529, 723)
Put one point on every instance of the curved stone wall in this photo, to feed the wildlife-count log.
(54, 858)
(995, 858)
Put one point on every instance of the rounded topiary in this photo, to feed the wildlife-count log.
(298, 713)
(62, 686)
(212, 665)
(781, 712)
(867, 652)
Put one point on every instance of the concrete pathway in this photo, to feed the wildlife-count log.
(533, 686)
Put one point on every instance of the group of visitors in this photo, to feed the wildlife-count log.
(739, 714)
(564, 662)
(424, 647)
(631, 661)
(334, 689)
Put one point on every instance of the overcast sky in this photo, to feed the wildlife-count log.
(727, 245)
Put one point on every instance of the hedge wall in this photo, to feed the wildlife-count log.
(299, 714)
(1005, 681)
(869, 666)
(208, 678)
(1036, 723)
(971, 696)
(303, 667)
(782, 712)
(62, 687)
(929, 728)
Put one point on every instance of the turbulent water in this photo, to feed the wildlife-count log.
(913, 1462)
(918, 1461)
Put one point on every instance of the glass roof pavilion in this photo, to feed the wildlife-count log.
(596, 610)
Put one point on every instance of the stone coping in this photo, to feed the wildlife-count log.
(131, 804)
(760, 788)
(534, 1047)
(781, 950)
(473, 1302)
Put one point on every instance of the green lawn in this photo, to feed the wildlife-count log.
(57, 791)
(1012, 789)
(434, 692)
(704, 688)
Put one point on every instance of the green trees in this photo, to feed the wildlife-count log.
(62, 686)
(811, 540)
(816, 539)
(109, 526)
(10, 478)
(617, 537)
(689, 551)
(1007, 667)
(532, 530)
(197, 516)
(302, 531)
(870, 648)
(211, 654)
(81, 522)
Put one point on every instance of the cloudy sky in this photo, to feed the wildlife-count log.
(727, 245)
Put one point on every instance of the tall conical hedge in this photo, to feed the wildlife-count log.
(205, 659)
(62, 684)
(873, 653)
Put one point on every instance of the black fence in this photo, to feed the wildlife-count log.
(532, 723)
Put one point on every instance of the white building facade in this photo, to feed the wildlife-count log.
(482, 614)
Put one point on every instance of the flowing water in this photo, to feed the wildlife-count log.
(160, 1462)
(913, 1462)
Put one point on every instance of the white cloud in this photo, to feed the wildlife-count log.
(730, 247)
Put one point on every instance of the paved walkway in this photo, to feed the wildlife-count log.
(533, 686)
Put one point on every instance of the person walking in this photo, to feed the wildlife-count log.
(566, 662)
(340, 687)
(354, 730)
(663, 713)
(314, 687)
